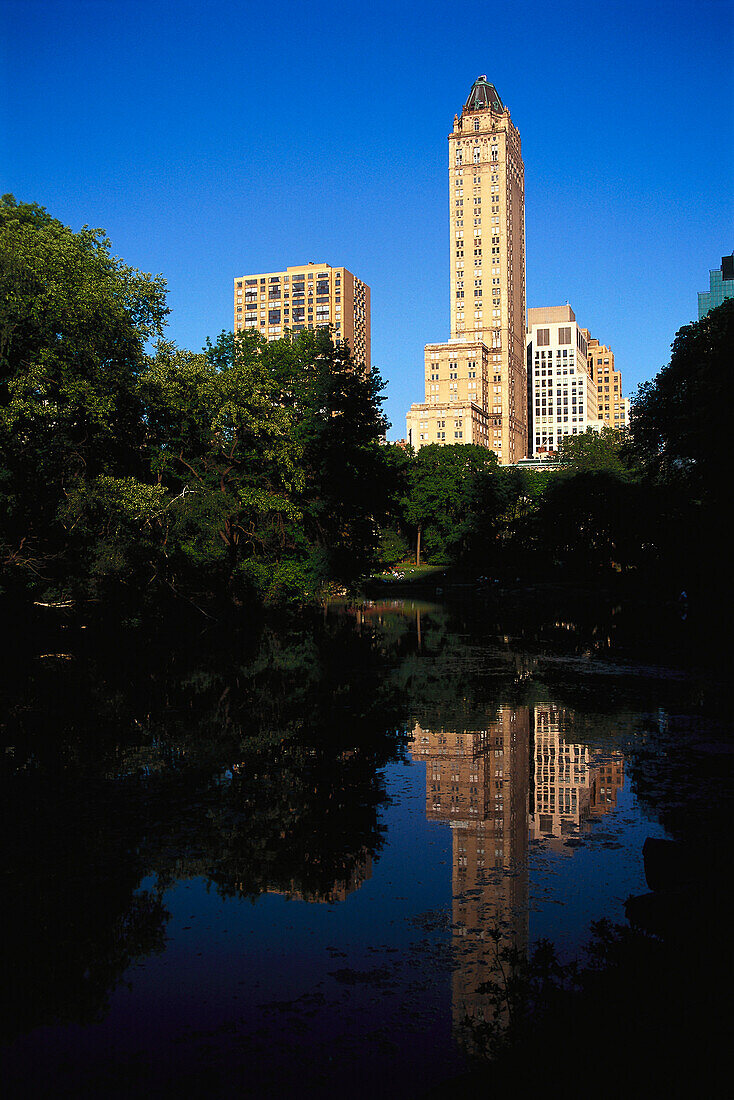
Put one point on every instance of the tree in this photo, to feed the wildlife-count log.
(680, 421)
(500, 502)
(250, 467)
(680, 431)
(594, 450)
(74, 321)
(443, 494)
(339, 426)
(595, 521)
(270, 457)
(221, 445)
(395, 533)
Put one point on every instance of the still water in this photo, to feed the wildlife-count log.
(296, 865)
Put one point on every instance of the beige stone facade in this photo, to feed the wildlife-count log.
(563, 393)
(458, 387)
(613, 408)
(476, 383)
(312, 296)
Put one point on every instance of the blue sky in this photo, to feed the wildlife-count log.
(215, 139)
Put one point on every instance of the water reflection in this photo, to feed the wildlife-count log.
(273, 770)
(256, 767)
(573, 783)
(477, 783)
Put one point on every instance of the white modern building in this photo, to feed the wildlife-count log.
(562, 393)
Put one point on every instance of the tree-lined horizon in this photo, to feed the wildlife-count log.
(256, 472)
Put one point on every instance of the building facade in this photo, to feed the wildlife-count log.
(563, 394)
(721, 286)
(613, 407)
(313, 296)
(476, 382)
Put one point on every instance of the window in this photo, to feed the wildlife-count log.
(564, 336)
(543, 337)
(476, 123)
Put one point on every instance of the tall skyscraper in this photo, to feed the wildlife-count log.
(312, 296)
(563, 395)
(476, 383)
(721, 286)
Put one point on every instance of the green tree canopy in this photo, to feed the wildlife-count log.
(339, 425)
(74, 321)
(265, 473)
(594, 450)
(221, 445)
(249, 466)
(679, 421)
(444, 494)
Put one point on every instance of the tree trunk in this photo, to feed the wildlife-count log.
(418, 548)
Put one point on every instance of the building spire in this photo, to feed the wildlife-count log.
(482, 96)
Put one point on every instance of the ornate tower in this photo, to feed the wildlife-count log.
(476, 383)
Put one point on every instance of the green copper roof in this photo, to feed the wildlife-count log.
(482, 96)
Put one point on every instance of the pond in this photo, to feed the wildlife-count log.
(298, 864)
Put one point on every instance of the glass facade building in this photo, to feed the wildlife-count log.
(721, 286)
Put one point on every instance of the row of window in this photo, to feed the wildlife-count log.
(275, 330)
(274, 293)
(322, 280)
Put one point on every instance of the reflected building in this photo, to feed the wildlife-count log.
(477, 782)
(606, 783)
(572, 783)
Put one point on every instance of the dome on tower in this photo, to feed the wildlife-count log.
(482, 96)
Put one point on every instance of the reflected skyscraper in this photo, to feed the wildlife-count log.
(477, 782)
